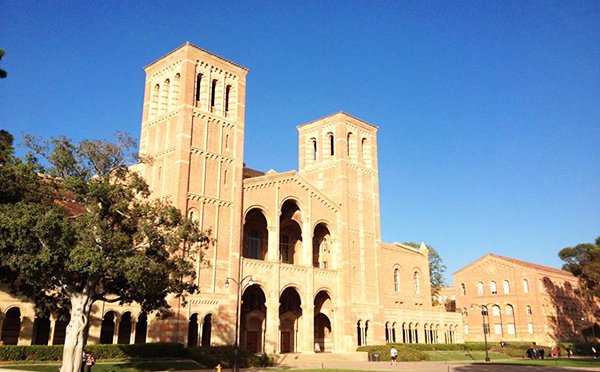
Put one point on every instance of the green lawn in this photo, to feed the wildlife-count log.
(563, 362)
(463, 355)
(118, 367)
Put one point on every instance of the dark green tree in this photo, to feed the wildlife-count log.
(84, 229)
(3, 73)
(583, 261)
(436, 271)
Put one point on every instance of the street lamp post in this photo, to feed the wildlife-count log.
(483, 314)
(237, 316)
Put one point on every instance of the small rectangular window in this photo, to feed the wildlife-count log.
(498, 329)
(530, 326)
(466, 329)
(511, 329)
(486, 329)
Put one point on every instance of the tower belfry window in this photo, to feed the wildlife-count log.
(213, 93)
(198, 85)
(227, 91)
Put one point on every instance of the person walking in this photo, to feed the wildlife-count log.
(89, 362)
(393, 355)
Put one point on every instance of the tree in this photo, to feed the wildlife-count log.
(3, 73)
(436, 271)
(83, 230)
(583, 261)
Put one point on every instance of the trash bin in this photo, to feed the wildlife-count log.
(375, 357)
(370, 357)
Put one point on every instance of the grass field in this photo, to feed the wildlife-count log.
(462, 355)
(563, 362)
(117, 367)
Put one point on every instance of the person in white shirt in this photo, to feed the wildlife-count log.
(393, 355)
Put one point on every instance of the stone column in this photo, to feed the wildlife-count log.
(116, 331)
(272, 327)
(1, 324)
(52, 327)
(273, 242)
(132, 335)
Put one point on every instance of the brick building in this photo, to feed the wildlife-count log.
(309, 239)
(524, 302)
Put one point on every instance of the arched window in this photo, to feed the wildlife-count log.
(198, 85)
(463, 289)
(331, 143)
(366, 152)
(225, 177)
(416, 281)
(509, 310)
(154, 101)
(496, 310)
(528, 310)
(285, 247)
(164, 96)
(525, 286)
(227, 142)
(254, 244)
(506, 285)
(493, 288)
(397, 280)
(480, 288)
(174, 92)
(465, 312)
(351, 143)
(227, 92)
(213, 94)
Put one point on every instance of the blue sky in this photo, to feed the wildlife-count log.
(489, 111)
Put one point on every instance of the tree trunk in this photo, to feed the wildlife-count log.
(76, 337)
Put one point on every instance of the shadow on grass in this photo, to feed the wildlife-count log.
(120, 367)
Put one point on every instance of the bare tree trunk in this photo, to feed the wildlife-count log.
(76, 337)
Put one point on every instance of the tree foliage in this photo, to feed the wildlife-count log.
(436, 271)
(583, 261)
(3, 73)
(84, 229)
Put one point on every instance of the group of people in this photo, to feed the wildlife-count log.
(88, 361)
(535, 352)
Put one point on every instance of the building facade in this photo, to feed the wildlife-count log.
(309, 240)
(513, 300)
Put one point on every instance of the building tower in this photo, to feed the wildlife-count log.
(193, 130)
(338, 154)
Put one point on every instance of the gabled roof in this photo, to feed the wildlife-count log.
(273, 176)
(187, 43)
(342, 113)
(526, 264)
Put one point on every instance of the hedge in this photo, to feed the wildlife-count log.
(224, 355)
(405, 352)
(54, 353)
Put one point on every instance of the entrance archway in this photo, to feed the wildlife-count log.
(107, 331)
(206, 330)
(255, 235)
(11, 327)
(290, 312)
(193, 331)
(124, 333)
(323, 324)
(322, 255)
(41, 331)
(141, 328)
(252, 319)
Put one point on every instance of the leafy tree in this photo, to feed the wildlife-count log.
(436, 271)
(583, 261)
(6, 146)
(83, 229)
(3, 73)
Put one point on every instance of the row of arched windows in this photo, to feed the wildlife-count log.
(493, 288)
(508, 310)
(410, 333)
(416, 281)
(364, 156)
(164, 96)
(213, 93)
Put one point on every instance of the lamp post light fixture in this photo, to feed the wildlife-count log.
(237, 316)
(484, 312)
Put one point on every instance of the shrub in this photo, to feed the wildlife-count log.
(54, 353)
(406, 353)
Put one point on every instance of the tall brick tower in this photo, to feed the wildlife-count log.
(193, 130)
(338, 154)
